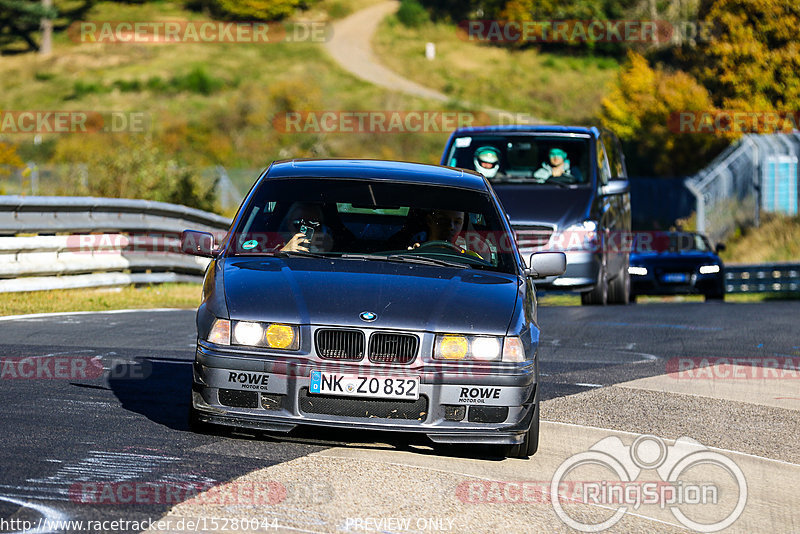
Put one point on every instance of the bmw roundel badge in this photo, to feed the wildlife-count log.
(368, 316)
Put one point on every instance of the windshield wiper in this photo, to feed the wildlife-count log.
(416, 258)
(405, 258)
(298, 254)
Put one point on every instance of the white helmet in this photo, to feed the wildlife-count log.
(487, 161)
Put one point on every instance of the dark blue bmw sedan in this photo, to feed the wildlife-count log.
(374, 295)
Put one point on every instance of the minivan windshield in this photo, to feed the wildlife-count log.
(524, 158)
(374, 220)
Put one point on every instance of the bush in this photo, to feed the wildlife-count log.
(127, 166)
(412, 14)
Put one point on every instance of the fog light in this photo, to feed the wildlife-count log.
(637, 271)
(280, 336)
(452, 347)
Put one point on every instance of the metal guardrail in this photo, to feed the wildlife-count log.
(73, 242)
(764, 278)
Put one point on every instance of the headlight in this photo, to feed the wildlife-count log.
(637, 271)
(709, 269)
(579, 236)
(220, 332)
(271, 335)
(480, 348)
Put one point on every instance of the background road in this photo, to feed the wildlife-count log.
(601, 368)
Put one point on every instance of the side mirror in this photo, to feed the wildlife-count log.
(615, 187)
(720, 247)
(197, 243)
(544, 264)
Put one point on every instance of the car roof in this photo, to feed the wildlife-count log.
(529, 128)
(394, 171)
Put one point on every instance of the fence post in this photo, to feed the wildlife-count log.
(701, 205)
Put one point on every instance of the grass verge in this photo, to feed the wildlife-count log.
(553, 87)
(102, 299)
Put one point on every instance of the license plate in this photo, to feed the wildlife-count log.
(675, 277)
(383, 387)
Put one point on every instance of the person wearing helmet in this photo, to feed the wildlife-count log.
(487, 161)
(558, 166)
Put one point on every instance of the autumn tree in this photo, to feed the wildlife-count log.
(266, 10)
(752, 60)
(639, 109)
(20, 20)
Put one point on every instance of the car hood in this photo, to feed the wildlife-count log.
(676, 260)
(529, 204)
(335, 291)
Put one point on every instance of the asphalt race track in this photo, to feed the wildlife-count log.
(96, 429)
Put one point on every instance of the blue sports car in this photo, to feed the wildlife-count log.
(671, 263)
(374, 295)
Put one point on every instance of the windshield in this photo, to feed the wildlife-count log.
(670, 243)
(524, 159)
(371, 220)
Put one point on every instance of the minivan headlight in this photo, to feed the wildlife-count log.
(579, 236)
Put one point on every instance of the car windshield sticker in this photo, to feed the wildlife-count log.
(463, 142)
(250, 244)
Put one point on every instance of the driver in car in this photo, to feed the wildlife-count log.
(444, 229)
(487, 161)
(558, 166)
(304, 223)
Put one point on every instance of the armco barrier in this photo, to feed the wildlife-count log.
(45, 242)
(763, 278)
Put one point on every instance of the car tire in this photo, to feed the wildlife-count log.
(530, 444)
(715, 297)
(619, 289)
(598, 296)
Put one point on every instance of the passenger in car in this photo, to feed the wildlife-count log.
(558, 166)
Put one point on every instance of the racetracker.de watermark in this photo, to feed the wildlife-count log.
(584, 31)
(69, 122)
(391, 121)
(73, 367)
(744, 368)
(236, 493)
(198, 32)
(725, 122)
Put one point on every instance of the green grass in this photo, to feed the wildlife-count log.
(208, 104)
(557, 88)
(129, 297)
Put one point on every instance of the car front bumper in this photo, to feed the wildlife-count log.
(695, 284)
(583, 268)
(497, 404)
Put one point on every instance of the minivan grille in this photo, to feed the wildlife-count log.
(340, 344)
(533, 236)
(387, 347)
